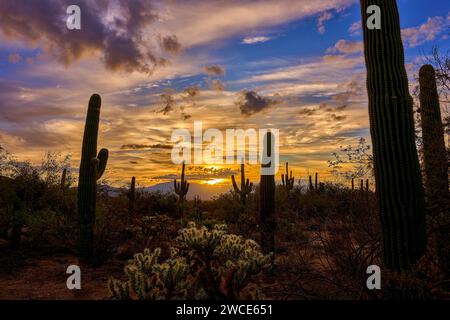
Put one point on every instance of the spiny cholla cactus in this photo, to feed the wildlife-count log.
(148, 279)
(288, 179)
(204, 263)
(246, 186)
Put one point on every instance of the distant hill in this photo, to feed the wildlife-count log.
(205, 191)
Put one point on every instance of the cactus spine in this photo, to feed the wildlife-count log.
(397, 173)
(246, 186)
(267, 202)
(435, 162)
(181, 188)
(288, 179)
(92, 167)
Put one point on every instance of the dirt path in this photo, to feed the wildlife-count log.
(46, 279)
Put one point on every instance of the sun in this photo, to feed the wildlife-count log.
(214, 181)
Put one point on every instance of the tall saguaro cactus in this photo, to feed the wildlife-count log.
(267, 201)
(92, 167)
(288, 179)
(246, 186)
(397, 173)
(435, 157)
(435, 162)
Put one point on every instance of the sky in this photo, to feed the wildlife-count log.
(293, 65)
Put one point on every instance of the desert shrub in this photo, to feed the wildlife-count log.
(151, 228)
(156, 202)
(49, 228)
(204, 264)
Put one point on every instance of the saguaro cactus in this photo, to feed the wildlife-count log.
(181, 188)
(435, 158)
(132, 195)
(63, 179)
(397, 173)
(246, 186)
(435, 161)
(288, 179)
(316, 181)
(92, 167)
(267, 202)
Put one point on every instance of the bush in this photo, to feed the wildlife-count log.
(204, 264)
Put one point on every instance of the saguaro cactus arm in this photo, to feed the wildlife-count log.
(102, 158)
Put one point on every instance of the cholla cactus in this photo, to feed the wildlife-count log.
(148, 279)
(204, 263)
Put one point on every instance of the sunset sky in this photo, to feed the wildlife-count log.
(293, 65)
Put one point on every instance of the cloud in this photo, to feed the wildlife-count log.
(199, 22)
(427, 31)
(253, 40)
(346, 47)
(111, 30)
(307, 112)
(145, 146)
(14, 58)
(192, 92)
(250, 102)
(170, 44)
(327, 15)
(217, 85)
(214, 70)
(355, 28)
(168, 102)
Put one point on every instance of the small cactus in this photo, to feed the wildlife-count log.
(288, 179)
(92, 167)
(131, 194)
(316, 181)
(246, 186)
(64, 184)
